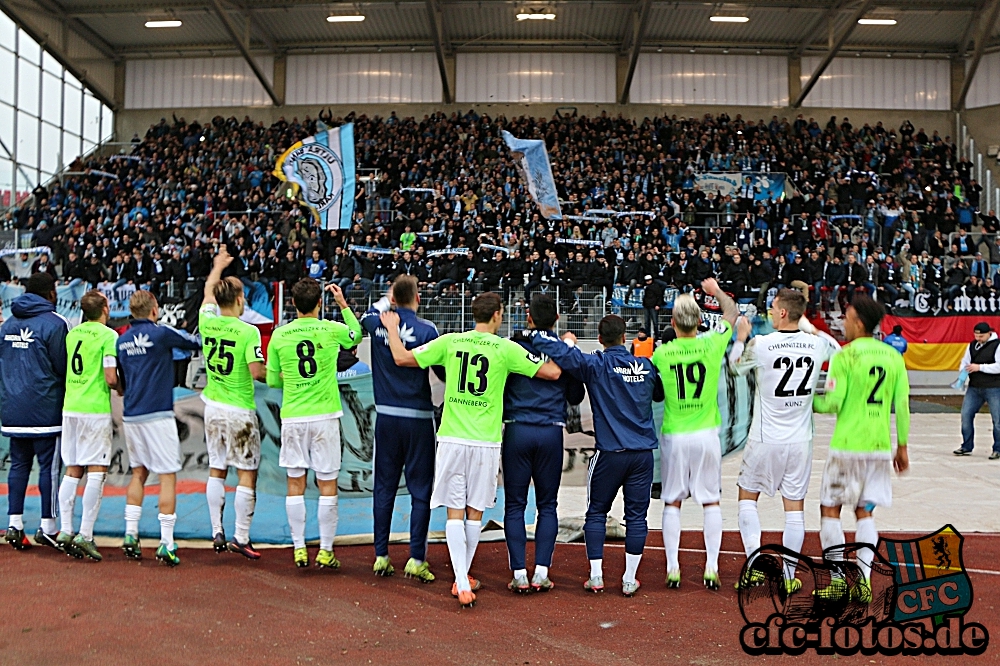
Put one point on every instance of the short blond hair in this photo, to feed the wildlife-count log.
(141, 304)
(686, 313)
(226, 291)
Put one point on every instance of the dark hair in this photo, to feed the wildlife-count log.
(306, 294)
(897, 330)
(485, 306)
(92, 304)
(793, 301)
(404, 290)
(543, 311)
(611, 330)
(869, 311)
(40, 284)
(226, 291)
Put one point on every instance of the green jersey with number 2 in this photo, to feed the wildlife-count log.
(87, 345)
(690, 369)
(228, 345)
(476, 368)
(302, 358)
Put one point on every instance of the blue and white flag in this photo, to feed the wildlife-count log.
(533, 161)
(322, 167)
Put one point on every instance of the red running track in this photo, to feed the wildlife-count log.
(223, 609)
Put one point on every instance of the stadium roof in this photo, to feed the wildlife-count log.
(82, 32)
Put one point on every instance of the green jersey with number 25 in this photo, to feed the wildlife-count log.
(476, 367)
(228, 346)
(302, 358)
(689, 369)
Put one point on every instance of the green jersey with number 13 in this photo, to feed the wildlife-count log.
(476, 367)
(302, 358)
(228, 346)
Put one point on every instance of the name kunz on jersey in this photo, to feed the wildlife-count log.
(20, 341)
(138, 345)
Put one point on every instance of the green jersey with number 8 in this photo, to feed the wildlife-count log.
(302, 358)
(228, 346)
(476, 366)
(87, 347)
(690, 369)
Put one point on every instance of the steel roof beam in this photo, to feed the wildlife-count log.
(986, 24)
(834, 49)
(244, 50)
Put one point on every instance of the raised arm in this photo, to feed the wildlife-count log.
(743, 356)
(352, 336)
(400, 354)
(730, 311)
(219, 264)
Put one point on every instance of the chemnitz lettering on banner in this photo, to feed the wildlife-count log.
(915, 602)
(926, 304)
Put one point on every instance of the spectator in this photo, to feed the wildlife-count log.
(896, 339)
(982, 362)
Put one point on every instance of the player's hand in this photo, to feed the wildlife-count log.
(569, 338)
(390, 320)
(806, 326)
(710, 286)
(338, 295)
(743, 329)
(902, 460)
(223, 258)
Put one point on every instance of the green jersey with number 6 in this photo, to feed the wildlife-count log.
(302, 358)
(476, 367)
(87, 345)
(228, 346)
(862, 386)
(690, 369)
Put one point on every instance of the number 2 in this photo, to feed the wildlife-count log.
(880, 372)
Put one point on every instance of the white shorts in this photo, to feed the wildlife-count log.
(154, 444)
(465, 476)
(768, 468)
(86, 439)
(856, 481)
(232, 437)
(311, 445)
(691, 466)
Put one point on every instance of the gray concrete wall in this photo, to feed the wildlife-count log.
(129, 122)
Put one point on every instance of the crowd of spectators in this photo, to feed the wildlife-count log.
(890, 211)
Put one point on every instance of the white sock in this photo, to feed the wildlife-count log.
(520, 572)
(295, 507)
(672, 535)
(631, 567)
(793, 536)
(865, 532)
(17, 521)
(67, 501)
(215, 493)
(49, 525)
(749, 521)
(597, 568)
(167, 522)
(473, 528)
(831, 533)
(328, 516)
(713, 536)
(540, 571)
(92, 494)
(454, 533)
(132, 516)
(246, 500)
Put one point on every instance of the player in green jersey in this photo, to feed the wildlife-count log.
(468, 456)
(86, 431)
(302, 359)
(866, 380)
(690, 453)
(233, 360)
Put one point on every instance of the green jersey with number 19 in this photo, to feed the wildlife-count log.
(866, 380)
(91, 347)
(476, 367)
(228, 345)
(302, 358)
(690, 369)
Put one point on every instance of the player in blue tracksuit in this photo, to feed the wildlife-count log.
(534, 414)
(146, 361)
(404, 428)
(622, 388)
(33, 380)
